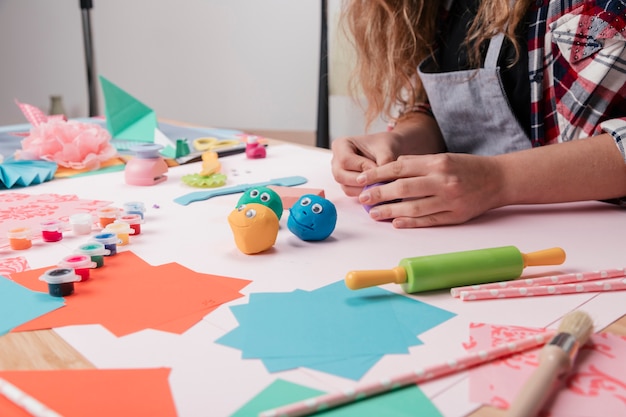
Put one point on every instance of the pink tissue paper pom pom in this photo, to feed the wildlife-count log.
(70, 144)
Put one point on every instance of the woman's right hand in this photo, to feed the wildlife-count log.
(355, 154)
(415, 134)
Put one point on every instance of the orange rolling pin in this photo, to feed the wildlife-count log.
(434, 272)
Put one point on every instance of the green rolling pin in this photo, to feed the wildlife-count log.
(456, 269)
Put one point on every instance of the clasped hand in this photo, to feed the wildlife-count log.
(434, 189)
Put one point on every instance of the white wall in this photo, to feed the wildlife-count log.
(226, 63)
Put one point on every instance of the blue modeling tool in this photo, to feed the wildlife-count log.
(205, 195)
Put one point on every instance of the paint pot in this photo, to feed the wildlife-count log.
(79, 263)
(81, 223)
(20, 238)
(109, 240)
(60, 281)
(134, 221)
(134, 207)
(96, 252)
(51, 230)
(122, 230)
(107, 215)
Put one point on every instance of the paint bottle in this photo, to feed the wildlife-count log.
(122, 230)
(81, 223)
(433, 272)
(109, 240)
(60, 281)
(134, 221)
(81, 264)
(20, 238)
(96, 252)
(51, 230)
(107, 215)
(254, 150)
(134, 207)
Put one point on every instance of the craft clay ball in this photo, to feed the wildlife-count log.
(265, 196)
(369, 207)
(254, 227)
(312, 217)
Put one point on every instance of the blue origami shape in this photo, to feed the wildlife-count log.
(25, 173)
(331, 329)
(19, 305)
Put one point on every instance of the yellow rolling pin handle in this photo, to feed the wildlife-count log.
(356, 280)
(552, 256)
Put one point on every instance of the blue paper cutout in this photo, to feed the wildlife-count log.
(331, 329)
(25, 173)
(19, 305)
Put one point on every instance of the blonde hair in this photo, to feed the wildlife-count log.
(391, 37)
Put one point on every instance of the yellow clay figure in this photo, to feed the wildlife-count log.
(254, 227)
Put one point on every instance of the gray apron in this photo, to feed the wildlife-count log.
(471, 107)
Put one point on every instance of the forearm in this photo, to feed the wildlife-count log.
(586, 169)
(420, 133)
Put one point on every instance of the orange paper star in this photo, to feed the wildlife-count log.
(127, 295)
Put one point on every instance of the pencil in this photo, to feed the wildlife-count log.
(335, 399)
(555, 359)
(25, 401)
(573, 277)
(603, 285)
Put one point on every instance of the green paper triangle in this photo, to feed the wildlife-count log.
(127, 118)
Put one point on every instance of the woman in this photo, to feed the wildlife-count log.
(501, 102)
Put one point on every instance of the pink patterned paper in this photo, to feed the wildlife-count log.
(14, 265)
(596, 387)
(27, 210)
(33, 114)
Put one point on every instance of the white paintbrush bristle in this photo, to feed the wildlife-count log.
(579, 324)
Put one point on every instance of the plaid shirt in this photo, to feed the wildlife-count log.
(577, 70)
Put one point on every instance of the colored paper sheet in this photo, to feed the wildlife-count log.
(28, 210)
(405, 402)
(94, 392)
(127, 295)
(596, 387)
(112, 165)
(331, 329)
(19, 305)
(25, 173)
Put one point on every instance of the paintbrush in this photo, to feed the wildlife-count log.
(555, 360)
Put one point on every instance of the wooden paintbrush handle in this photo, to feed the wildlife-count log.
(553, 361)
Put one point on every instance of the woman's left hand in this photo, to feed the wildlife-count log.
(436, 189)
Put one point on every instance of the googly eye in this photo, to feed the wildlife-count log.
(265, 197)
(305, 201)
(254, 193)
(251, 213)
(239, 208)
(317, 208)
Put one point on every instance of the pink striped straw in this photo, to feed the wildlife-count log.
(603, 285)
(540, 281)
(335, 399)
